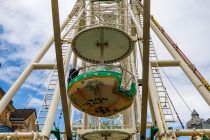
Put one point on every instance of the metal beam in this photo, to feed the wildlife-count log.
(21, 135)
(58, 48)
(193, 132)
(136, 22)
(43, 66)
(145, 62)
(152, 111)
(165, 63)
(137, 98)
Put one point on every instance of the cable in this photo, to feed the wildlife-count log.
(36, 91)
(177, 115)
(177, 91)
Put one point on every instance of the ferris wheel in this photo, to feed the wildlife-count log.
(103, 42)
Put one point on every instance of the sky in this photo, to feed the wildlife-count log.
(26, 25)
(24, 28)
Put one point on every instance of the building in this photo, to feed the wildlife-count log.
(195, 121)
(207, 124)
(12, 119)
(4, 117)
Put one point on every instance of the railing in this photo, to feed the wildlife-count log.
(125, 84)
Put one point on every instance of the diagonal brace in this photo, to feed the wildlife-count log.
(145, 80)
(59, 59)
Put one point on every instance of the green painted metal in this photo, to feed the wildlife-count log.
(154, 130)
(56, 133)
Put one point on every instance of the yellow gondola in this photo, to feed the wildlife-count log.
(100, 93)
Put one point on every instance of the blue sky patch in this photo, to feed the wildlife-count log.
(1, 29)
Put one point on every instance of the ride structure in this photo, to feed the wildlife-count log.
(104, 38)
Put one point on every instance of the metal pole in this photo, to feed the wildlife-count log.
(145, 61)
(152, 111)
(43, 66)
(56, 97)
(165, 63)
(197, 83)
(51, 113)
(136, 21)
(59, 59)
(137, 99)
(21, 135)
(192, 132)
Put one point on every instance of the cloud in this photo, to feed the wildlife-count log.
(9, 74)
(25, 27)
(187, 25)
(35, 102)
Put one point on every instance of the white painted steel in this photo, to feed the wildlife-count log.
(137, 97)
(192, 132)
(15, 135)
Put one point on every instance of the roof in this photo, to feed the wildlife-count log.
(207, 121)
(194, 113)
(21, 114)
